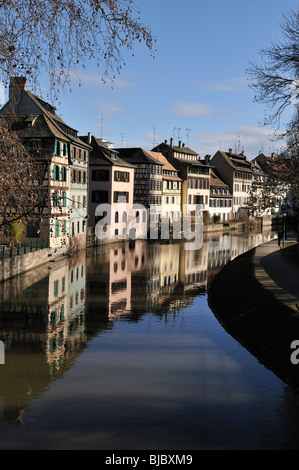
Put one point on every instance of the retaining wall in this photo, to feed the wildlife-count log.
(16, 265)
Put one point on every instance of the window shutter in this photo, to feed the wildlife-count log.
(54, 172)
(64, 199)
(55, 151)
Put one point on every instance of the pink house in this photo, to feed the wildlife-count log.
(111, 182)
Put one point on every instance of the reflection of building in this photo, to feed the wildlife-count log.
(43, 331)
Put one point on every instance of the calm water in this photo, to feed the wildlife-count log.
(119, 350)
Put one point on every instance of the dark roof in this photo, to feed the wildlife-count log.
(137, 156)
(45, 122)
(103, 155)
(216, 181)
(175, 148)
(237, 161)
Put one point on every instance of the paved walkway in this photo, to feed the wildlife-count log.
(277, 274)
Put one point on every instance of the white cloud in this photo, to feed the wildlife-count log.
(251, 139)
(191, 110)
(110, 110)
(231, 85)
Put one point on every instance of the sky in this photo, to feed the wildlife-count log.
(196, 89)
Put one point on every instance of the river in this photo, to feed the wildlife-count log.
(117, 349)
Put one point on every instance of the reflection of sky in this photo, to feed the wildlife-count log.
(156, 384)
(164, 381)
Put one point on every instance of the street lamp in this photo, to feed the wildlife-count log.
(284, 227)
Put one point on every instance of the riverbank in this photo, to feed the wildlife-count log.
(257, 312)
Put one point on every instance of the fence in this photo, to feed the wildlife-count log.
(21, 249)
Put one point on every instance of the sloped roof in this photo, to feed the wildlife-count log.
(29, 107)
(102, 155)
(138, 156)
(216, 181)
(236, 161)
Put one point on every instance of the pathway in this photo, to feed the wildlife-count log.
(277, 274)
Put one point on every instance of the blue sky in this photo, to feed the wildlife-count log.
(196, 88)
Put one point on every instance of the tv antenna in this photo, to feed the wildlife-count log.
(188, 135)
(154, 137)
(178, 130)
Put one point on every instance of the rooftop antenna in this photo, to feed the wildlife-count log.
(188, 135)
(122, 139)
(101, 128)
(239, 144)
(178, 129)
(154, 137)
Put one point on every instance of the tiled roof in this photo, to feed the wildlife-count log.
(160, 157)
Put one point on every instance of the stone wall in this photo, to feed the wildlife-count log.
(16, 265)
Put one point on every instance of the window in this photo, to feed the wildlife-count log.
(64, 199)
(84, 201)
(63, 284)
(100, 175)
(57, 228)
(99, 196)
(116, 217)
(53, 318)
(56, 288)
(121, 176)
(64, 227)
(56, 199)
(120, 196)
(63, 173)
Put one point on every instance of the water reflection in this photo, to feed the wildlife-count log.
(49, 315)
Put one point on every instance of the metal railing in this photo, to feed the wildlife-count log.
(7, 252)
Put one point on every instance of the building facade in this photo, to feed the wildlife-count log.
(171, 188)
(111, 182)
(194, 174)
(50, 142)
(148, 180)
(236, 171)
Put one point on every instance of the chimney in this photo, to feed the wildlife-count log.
(171, 142)
(242, 153)
(183, 145)
(16, 85)
(230, 151)
(89, 138)
(165, 141)
(180, 143)
(207, 159)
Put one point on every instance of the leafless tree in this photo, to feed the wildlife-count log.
(23, 193)
(60, 36)
(55, 38)
(276, 79)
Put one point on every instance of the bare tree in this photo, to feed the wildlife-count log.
(23, 193)
(276, 79)
(60, 36)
